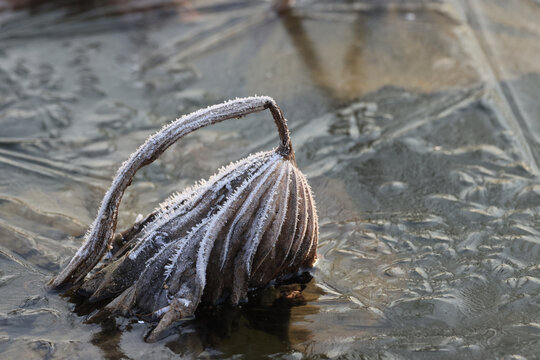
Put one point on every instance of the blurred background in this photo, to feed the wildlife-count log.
(416, 123)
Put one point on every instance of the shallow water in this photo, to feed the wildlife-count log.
(416, 123)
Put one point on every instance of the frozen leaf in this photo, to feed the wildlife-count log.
(252, 222)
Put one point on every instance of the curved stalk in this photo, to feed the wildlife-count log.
(100, 235)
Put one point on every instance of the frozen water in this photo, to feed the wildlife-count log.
(416, 123)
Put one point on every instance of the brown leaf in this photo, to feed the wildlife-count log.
(252, 222)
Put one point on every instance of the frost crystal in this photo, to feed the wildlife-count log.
(252, 222)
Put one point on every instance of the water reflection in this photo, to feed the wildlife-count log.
(394, 57)
(263, 325)
(109, 340)
(307, 52)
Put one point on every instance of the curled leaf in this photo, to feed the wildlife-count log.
(254, 221)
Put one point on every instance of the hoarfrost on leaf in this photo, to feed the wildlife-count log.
(252, 222)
